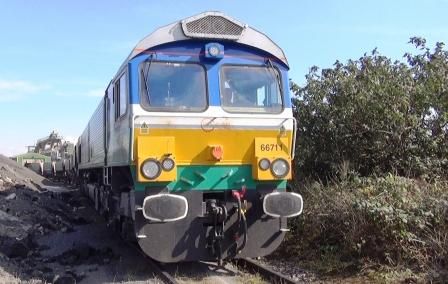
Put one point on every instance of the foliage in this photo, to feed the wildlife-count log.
(362, 221)
(375, 116)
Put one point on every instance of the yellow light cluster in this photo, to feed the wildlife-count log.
(155, 149)
(271, 149)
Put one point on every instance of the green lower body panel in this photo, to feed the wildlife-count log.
(209, 178)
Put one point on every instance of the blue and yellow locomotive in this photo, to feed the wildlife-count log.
(190, 150)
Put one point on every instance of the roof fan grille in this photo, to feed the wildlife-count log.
(213, 26)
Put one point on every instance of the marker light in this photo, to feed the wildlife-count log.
(264, 164)
(214, 50)
(167, 164)
(217, 152)
(279, 168)
(150, 169)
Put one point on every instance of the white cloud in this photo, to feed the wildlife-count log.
(12, 90)
(95, 93)
(23, 86)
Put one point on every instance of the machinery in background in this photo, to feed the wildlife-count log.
(51, 157)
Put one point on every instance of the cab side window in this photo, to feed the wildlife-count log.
(120, 96)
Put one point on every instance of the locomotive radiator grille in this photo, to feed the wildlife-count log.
(212, 26)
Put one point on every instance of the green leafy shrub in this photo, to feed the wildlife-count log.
(375, 115)
(376, 133)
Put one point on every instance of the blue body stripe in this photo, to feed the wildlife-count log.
(190, 52)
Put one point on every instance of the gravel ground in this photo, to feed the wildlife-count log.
(210, 273)
(289, 268)
(51, 234)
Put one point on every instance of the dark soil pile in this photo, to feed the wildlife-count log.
(28, 211)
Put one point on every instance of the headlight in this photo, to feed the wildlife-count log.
(151, 169)
(279, 168)
(264, 164)
(213, 50)
(167, 164)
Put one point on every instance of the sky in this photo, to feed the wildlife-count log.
(57, 57)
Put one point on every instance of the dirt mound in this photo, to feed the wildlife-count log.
(25, 215)
(52, 234)
(29, 211)
(13, 174)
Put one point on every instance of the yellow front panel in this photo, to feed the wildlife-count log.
(270, 148)
(156, 148)
(259, 174)
(193, 146)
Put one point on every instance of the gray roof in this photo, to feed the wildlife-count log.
(215, 24)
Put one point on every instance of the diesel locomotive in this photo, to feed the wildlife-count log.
(190, 149)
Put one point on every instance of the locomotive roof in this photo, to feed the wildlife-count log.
(209, 25)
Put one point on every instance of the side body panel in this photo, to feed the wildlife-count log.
(119, 137)
(96, 137)
(106, 140)
(84, 148)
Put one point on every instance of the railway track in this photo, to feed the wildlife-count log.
(244, 264)
(247, 265)
(265, 272)
(159, 271)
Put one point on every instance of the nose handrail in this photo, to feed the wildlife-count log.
(294, 137)
(294, 133)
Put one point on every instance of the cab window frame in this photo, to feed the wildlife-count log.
(144, 95)
(222, 86)
(117, 95)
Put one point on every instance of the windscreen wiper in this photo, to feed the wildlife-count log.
(145, 77)
(275, 73)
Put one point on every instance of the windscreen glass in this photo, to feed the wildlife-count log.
(251, 89)
(169, 86)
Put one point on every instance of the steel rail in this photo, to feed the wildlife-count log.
(157, 268)
(164, 275)
(264, 271)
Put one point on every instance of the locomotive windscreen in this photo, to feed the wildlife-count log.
(168, 86)
(250, 89)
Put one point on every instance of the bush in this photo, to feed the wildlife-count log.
(376, 116)
(376, 133)
(383, 220)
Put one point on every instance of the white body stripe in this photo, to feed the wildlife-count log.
(213, 117)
